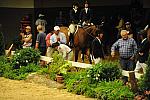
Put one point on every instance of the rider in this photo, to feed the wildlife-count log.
(74, 14)
(86, 14)
(74, 20)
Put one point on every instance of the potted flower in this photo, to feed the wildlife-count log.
(61, 71)
(58, 67)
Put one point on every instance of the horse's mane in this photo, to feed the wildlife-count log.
(90, 30)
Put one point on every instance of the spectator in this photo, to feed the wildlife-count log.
(27, 37)
(66, 51)
(41, 21)
(40, 41)
(58, 36)
(143, 52)
(48, 44)
(97, 47)
(129, 29)
(127, 48)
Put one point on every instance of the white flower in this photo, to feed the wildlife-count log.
(96, 78)
(98, 75)
(26, 61)
(17, 53)
(17, 62)
(88, 75)
(20, 66)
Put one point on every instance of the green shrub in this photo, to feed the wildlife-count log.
(25, 56)
(113, 90)
(107, 71)
(21, 73)
(4, 68)
(90, 92)
(144, 82)
(85, 81)
(72, 79)
(78, 83)
(4, 65)
(43, 71)
(8, 71)
(3, 59)
(58, 66)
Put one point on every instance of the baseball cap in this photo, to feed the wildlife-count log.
(127, 23)
(41, 15)
(56, 28)
(28, 27)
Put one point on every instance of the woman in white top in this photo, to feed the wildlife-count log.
(27, 38)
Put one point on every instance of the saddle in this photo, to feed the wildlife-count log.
(72, 29)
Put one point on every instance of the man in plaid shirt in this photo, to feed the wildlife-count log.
(127, 49)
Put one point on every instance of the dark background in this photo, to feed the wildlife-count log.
(12, 12)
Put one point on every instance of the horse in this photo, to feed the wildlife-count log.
(83, 38)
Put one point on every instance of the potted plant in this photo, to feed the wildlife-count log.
(61, 71)
(58, 67)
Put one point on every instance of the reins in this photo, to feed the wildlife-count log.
(88, 32)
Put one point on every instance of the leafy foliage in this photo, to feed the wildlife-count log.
(78, 83)
(107, 71)
(113, 90)
(144, 82)
(19, 74)
(3, 64)
(25, 56)
(58, 66)
(73, 78)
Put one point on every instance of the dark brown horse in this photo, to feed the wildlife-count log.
(83, 38)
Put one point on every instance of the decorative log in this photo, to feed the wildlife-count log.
(9, 50)
(133, 81)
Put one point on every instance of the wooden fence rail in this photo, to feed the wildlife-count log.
(84, 65)
(78, 64)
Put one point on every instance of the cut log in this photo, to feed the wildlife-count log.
(9, 50)
(133, 81)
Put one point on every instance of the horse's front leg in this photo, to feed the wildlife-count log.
(90, 58)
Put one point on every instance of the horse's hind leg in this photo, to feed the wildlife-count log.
(76, 54)
(83, 52)
(90, 56)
